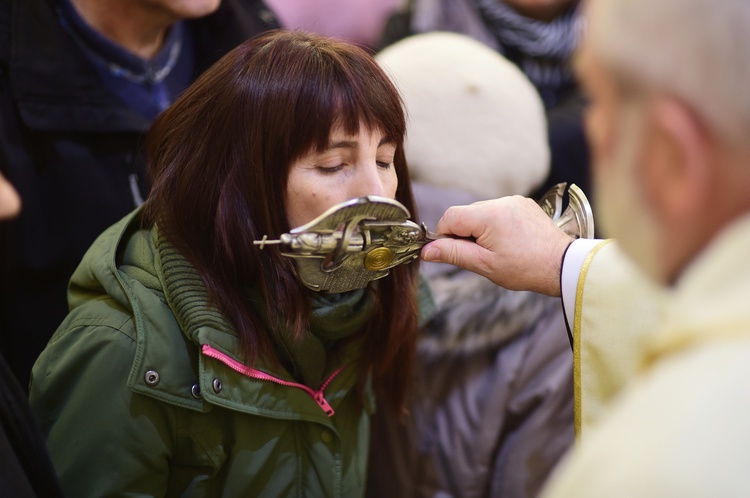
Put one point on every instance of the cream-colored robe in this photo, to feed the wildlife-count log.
(663, 377)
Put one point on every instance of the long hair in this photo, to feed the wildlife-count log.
(219, 159)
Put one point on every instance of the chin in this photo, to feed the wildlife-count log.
(633, 227)
(194, 9)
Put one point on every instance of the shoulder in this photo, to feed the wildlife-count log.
(680, 430)
(99, 334)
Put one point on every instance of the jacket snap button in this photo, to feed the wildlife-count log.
(152, 377)
(217, 386)
(326, 436)
(196, 391)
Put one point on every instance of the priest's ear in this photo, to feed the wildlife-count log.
(679, 172)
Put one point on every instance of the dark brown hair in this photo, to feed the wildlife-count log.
(219, 160)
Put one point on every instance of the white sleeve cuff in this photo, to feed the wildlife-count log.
(571, 269)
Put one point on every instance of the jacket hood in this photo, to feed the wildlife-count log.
(121, 269)
(97, 275)
(128, 259)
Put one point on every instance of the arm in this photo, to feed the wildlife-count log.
(517, 245)
(609, 304)
(611, 308)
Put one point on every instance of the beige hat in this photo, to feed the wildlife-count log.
(476, 123)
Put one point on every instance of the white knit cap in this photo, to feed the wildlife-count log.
(476, 123)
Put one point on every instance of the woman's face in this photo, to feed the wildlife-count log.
(350, 166)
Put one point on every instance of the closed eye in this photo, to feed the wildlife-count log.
(328, 170)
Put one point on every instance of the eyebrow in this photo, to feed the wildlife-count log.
(352, 144)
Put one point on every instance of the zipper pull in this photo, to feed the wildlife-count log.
(321, 401)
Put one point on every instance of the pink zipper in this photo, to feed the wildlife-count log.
(257, 374)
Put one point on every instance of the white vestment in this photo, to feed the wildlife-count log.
(662, 376)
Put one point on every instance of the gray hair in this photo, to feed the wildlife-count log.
(694, 50)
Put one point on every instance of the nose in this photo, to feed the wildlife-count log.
(371, 180)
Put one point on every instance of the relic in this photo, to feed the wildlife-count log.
(360, 240)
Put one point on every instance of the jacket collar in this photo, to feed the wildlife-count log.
(55, 85)
(194, 319)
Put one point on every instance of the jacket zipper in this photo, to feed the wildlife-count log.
(235, 365)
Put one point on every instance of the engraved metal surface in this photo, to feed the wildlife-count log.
(360, 240)
(352, 244)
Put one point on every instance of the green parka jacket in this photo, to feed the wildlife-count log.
(142, 392)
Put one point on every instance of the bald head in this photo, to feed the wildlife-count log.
(694, 50)
(667, 123)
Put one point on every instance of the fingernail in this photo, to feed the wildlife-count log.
(431, 254)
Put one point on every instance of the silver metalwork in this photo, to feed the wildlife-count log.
(352, 244)
(577, 220)
(360, 240)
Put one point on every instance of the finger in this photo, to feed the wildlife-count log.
(461, 253)
(461, 221)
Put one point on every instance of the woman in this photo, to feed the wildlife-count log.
(193, 364)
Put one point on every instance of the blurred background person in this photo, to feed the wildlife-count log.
(26, 470)
(492, 407)
(357, 21)
(539, 37)
(80, 83)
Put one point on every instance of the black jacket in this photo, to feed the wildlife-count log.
(73, 151)
(26, 470)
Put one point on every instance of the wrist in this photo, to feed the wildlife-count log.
(553, 286)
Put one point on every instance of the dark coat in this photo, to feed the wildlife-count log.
(73, 151)
(26, 470)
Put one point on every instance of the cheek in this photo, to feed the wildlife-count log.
(305, 204)
(599, 133)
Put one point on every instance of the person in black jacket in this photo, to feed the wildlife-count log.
(79, 87)
(26, 470)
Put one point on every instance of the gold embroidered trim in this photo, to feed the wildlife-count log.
(577, 336)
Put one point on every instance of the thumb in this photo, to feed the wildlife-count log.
(465, 254)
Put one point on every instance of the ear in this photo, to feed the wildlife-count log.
(678, 175)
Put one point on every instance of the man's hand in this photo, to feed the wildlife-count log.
(517, 245)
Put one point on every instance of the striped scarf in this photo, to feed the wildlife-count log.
(542, 50)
